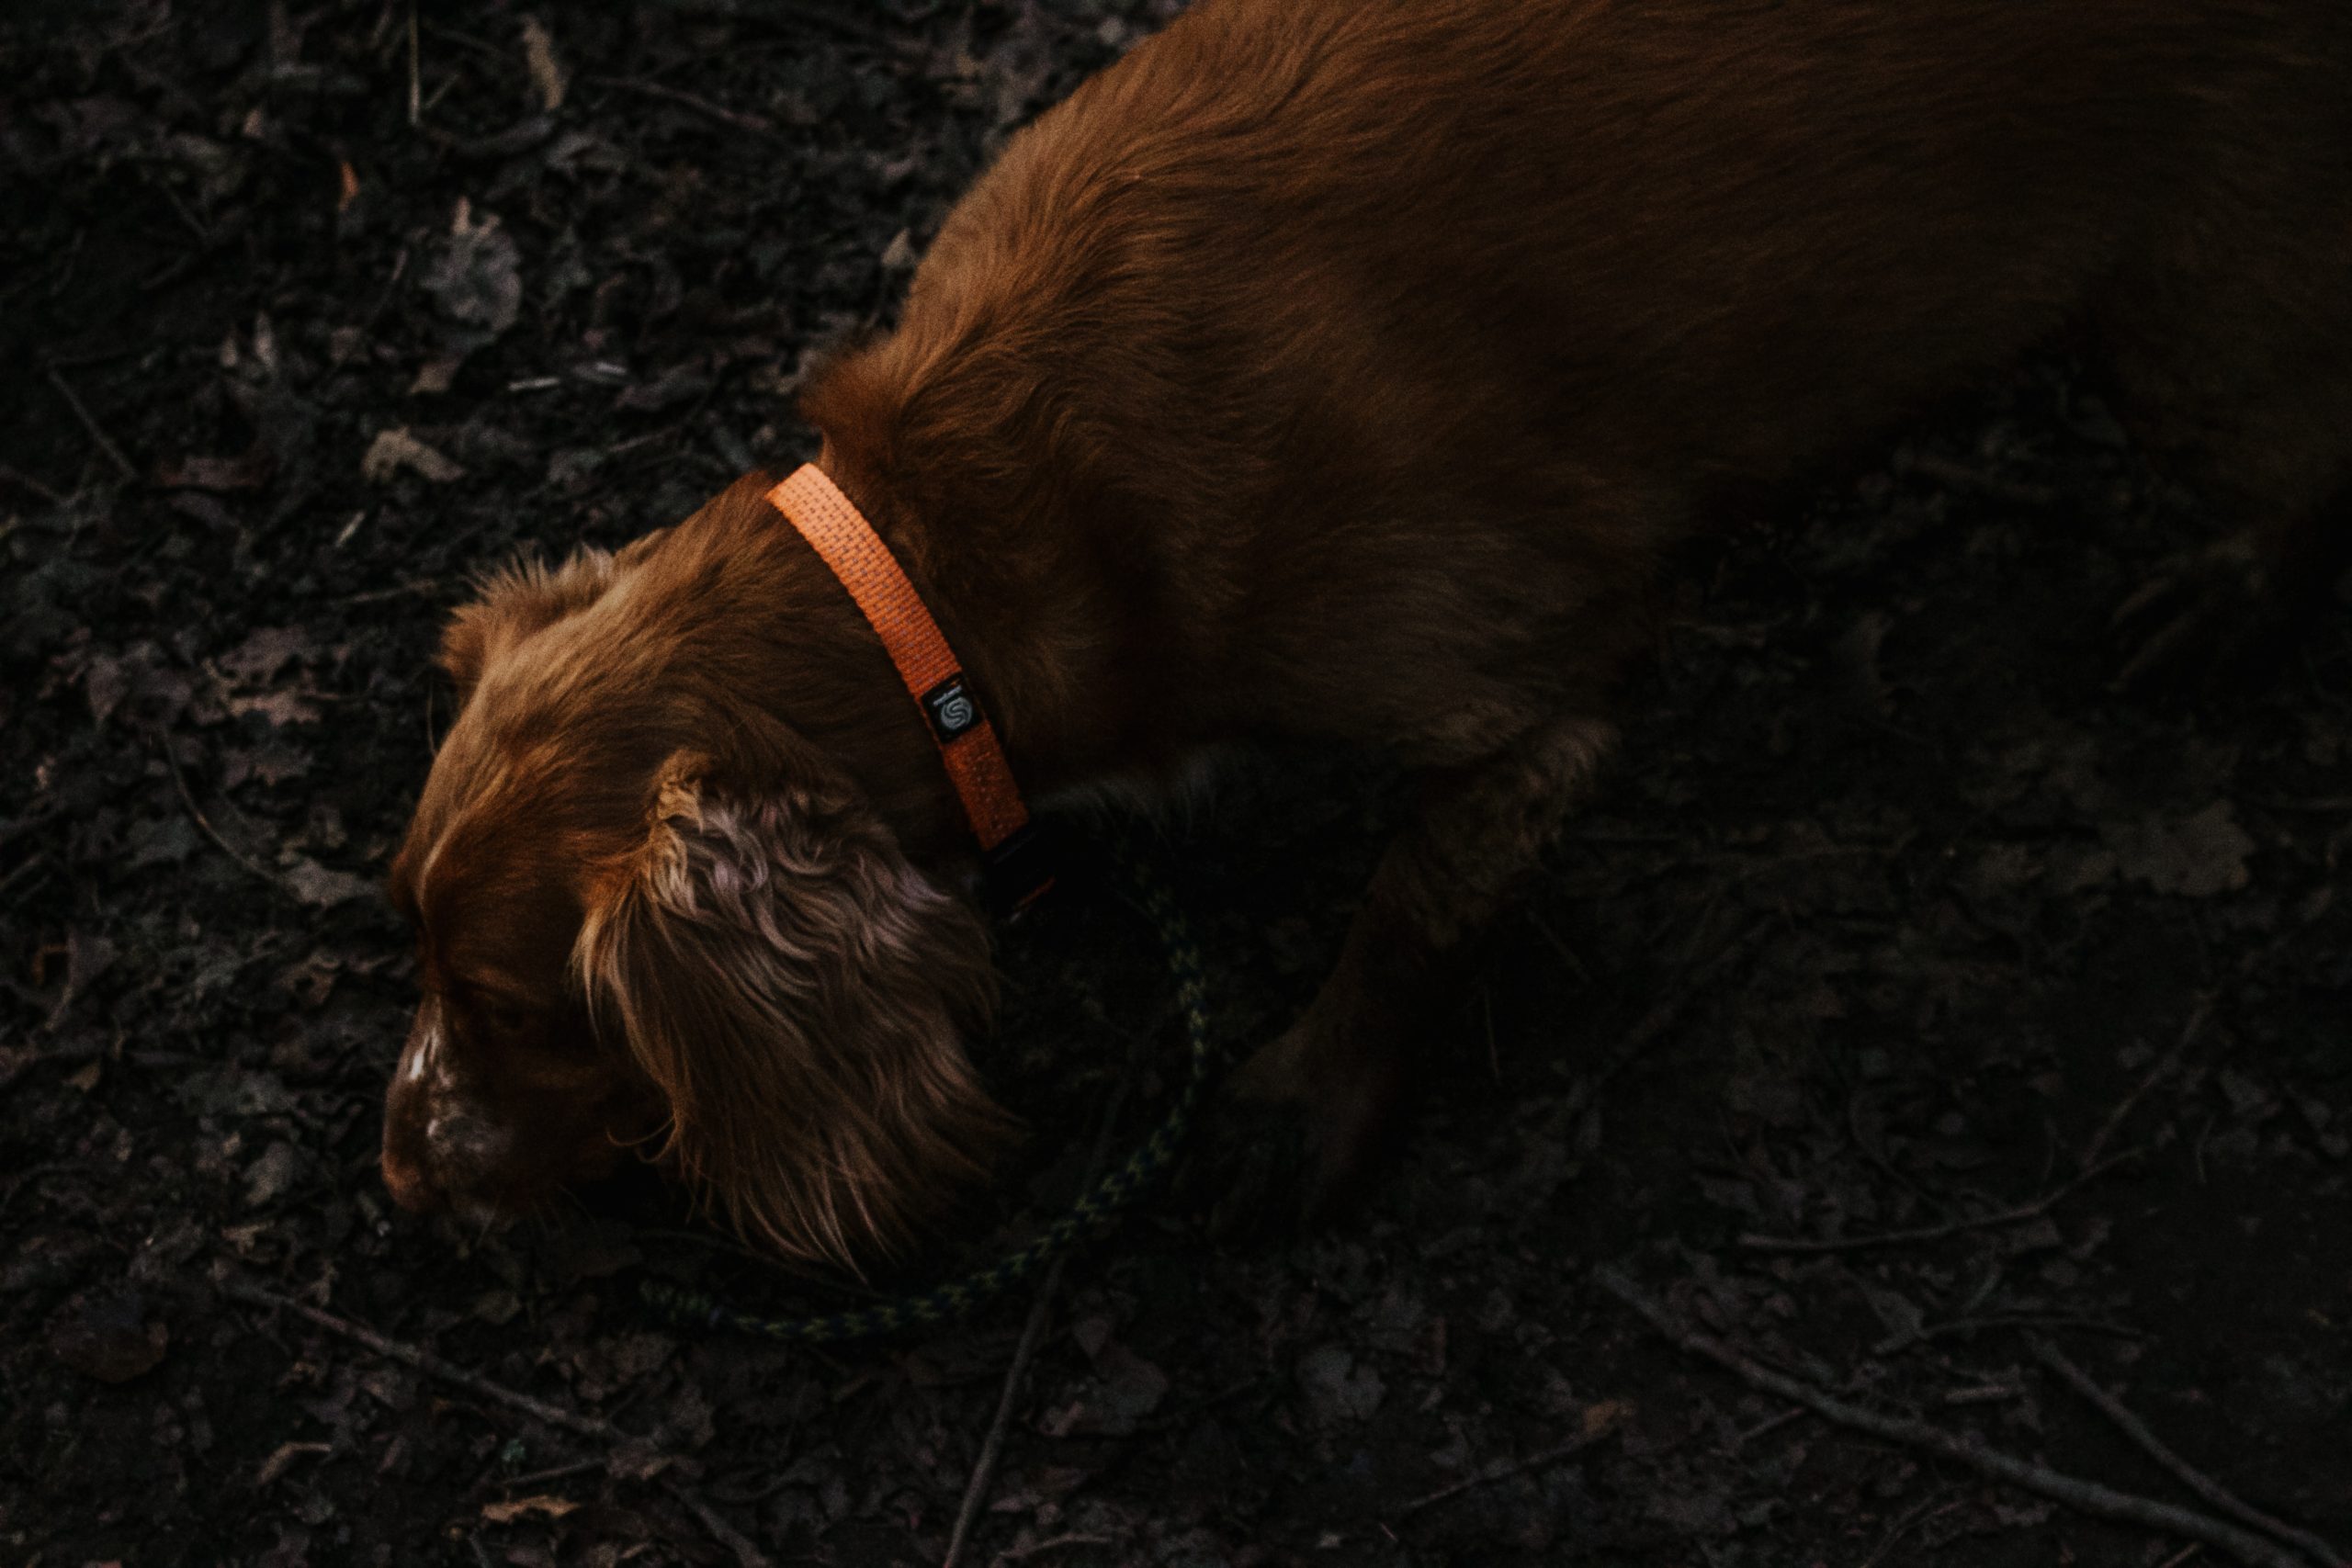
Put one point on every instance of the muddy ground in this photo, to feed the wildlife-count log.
(1910, 1001)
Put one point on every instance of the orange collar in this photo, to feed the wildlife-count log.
(968, 747)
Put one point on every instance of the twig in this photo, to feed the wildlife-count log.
(25, 867)
(426, 585)
(123, 464)
(541, 1477)
(2171, 1060)
(428, 1363)
(590, 1426)
(2008, 1320)
(735, 117)
(187, 798)
(1903, 1526)
(1051, 1544)
(415, 74)
(993, 1446)
(747, 1553)
(1503, 1469)
(1754, 1243)
(1033, 1333)
(2187, 1474)
(17, 477)
(2086, 1496)
(1652, 1026)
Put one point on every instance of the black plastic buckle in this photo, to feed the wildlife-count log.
(1019, 871)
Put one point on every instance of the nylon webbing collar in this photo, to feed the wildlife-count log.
(968, 747)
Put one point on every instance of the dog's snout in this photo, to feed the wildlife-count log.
(410, 1186)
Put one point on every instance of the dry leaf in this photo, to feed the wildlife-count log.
(521, 1507)
(1606, 1416)
(322, 887)
(282, 1459)
(477, 277)
(395, 449)
(538, 53)
(250, 471)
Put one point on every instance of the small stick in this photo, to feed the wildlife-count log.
(15, 476)
(1754, 1243)
(2187, 1474)
(1051, 1544)
(747, 1554)
(123, 464)
(1503, 1469)
(2009, 1320)
(2086, 1496)
(416, 85)
(541, 1477)
(1917, 1515)
(993, 1446)
(187, 798)
(425, 1361)
(1033, 1334)
(2165, 1064)
(433, 1366)
(720, 112)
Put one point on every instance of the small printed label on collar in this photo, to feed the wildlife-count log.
(953, 711)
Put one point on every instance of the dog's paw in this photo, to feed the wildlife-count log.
(2213, 618)
(1292, 1140)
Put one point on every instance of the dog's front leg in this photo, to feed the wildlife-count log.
(1337, 1073)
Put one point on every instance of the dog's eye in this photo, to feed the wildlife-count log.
(496, 1013)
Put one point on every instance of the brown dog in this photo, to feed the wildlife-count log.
(1326, 368)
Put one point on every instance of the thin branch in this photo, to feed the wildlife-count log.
(2165, 1064)
(2085, 1496)
(203, 823)
(735, 119)
(428, 1363)
(594, 1429)
(976, 1490)
(1033, 1334)
(1753, 1242)
(2187, 1474)
(1903, 1527)
(747, 1552)
(123, 464)
(16, 476)
(1503, 1469)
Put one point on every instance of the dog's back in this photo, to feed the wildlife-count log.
(1536, 277)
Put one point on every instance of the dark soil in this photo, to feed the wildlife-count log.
(1894, 918)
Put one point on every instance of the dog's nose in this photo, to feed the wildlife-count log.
(411, 1187)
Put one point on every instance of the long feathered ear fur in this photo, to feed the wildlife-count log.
(800, 991)
(526, 595)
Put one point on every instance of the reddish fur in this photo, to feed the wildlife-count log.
(1340, 370)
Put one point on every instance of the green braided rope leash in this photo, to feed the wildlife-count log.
(1094, 1211)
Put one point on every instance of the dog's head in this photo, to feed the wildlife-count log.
(650, 914)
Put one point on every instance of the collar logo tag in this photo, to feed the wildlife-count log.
(953, 711)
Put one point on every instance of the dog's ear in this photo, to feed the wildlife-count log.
(523, 596)
(799, 992)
